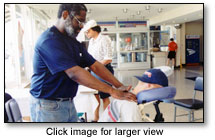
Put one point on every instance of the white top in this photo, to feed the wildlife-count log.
(81, 36)
(100, 48)
(121, 111)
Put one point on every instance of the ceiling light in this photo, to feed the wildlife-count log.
(177, 26)
(125, 10)
(160, 10)
(148, 7)
(138, 12)
(89, 11)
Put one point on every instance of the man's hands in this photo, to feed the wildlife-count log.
(122, 93)
(125, 88)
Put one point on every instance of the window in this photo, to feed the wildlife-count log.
(23, 25)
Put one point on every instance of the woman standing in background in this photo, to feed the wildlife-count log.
(100, 49)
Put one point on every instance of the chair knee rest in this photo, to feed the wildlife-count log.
(189, 103)
(13, 111)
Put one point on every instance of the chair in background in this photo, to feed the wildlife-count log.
(7, 97)
(82, 116)
(191, 104)
(13, 111)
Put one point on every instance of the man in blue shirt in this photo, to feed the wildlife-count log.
(59, 61)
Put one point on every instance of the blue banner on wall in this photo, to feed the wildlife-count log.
(125, 24)
(107, 23)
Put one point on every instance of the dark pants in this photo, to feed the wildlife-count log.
(171, 55)
(104, 95)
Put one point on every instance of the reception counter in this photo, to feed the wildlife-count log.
(159, 58)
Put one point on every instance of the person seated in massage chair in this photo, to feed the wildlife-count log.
(125, 111)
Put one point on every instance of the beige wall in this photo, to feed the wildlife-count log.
(180, 39)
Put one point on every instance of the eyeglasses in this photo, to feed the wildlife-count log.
(79, 22)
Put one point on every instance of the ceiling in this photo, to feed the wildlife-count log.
(113, 11)
(110, 12)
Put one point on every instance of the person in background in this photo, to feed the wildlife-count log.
(172, 48)
(128, 46)
(58, 68)
(100, 48)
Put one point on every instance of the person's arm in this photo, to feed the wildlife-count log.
(176, 48)
(106, 47)
(83, 77)
(105, 74)
(168, 47)
(105, 62)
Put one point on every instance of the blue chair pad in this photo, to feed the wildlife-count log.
(199, 84)
(156, 94)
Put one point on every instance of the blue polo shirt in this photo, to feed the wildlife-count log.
(55, 52)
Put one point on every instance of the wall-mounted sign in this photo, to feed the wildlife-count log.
(107, 23)
(155, 28)
(192, 36)
(128, 24)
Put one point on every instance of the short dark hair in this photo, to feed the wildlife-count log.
(171, 39)
(75, 8)
(97, 29)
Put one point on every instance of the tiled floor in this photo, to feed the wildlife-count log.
(178, 79)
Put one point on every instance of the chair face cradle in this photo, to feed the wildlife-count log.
(191, 104)
(156, 94)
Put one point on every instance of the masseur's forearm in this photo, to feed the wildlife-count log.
(105, 62)
(83, 77)
(105, 74)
